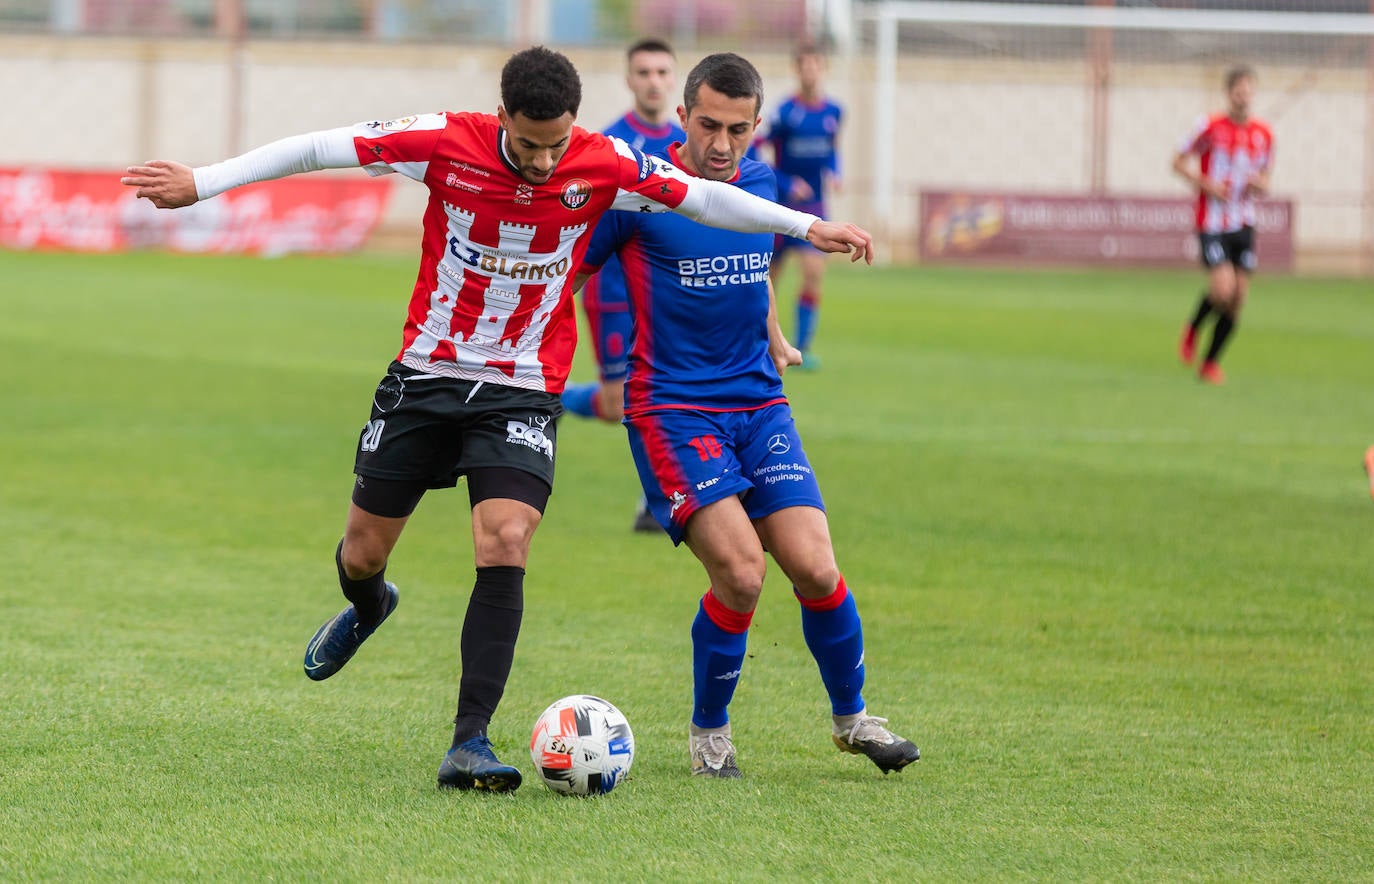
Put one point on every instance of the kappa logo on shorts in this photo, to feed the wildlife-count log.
(778, 444)
(678, 499)
(521, 433)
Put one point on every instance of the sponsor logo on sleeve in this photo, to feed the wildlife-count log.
(399, 125)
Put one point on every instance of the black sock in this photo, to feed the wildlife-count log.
(490, 629)
(367, 595)
(1204, 308)
(1225, 325)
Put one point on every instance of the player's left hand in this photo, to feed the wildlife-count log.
(832, 236)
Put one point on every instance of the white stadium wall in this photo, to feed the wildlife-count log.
(94, 103)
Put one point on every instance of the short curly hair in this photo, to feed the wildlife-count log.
(541, 84)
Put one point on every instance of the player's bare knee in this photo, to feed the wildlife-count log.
(505, 543)
(738, 583)
(816, 581)
(362, 557)
(738, 592)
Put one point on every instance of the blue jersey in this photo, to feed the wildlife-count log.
(804, 146)
(607, 291)
(699, 300)
(644, 137)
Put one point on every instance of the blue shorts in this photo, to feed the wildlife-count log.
(688, 459)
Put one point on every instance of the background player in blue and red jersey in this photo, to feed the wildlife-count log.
(712, 435)
(649, 126)
(803, 135)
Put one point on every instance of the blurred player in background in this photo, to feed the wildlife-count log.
(650, 126)
(718, 453)
(803, 135)
(487, 342)
(1369, 468)
(1235, 154)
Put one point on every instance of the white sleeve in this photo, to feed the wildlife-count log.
(718, 204)
(325, 149)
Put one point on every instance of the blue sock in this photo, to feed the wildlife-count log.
(808, 312)
(579, 399)
(836, 638)
(717, 656)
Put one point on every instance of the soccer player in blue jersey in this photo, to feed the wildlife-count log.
(649, 126)
(803, 136)
(712, 434)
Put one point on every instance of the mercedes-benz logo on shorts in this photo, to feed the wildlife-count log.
(390, 392)
(778, 444)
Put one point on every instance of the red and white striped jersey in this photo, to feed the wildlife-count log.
(1229, 152)
(492, 301)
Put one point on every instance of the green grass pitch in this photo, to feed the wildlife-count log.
(1127, 617)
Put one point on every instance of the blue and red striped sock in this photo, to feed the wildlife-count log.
(719, 640)
(808, 313)
(836, 638)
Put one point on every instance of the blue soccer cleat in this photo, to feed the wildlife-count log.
(472, 765)
(335, 643)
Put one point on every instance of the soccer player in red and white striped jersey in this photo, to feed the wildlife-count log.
(487, 341)
(1235, 153)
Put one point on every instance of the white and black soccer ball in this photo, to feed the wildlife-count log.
(582, 745)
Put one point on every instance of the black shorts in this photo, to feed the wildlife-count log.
(1236, 247)
(430, 430)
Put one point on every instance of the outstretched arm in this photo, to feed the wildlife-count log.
(171, 185)
(724, 205)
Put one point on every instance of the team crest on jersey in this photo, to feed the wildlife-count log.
(399, 125)
(576, 193)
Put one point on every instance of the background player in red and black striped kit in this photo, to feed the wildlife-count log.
(1235, 154)
(487, 342)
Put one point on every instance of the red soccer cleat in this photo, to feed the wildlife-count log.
(1211, 373)
(1187, 345)
(1369, 467)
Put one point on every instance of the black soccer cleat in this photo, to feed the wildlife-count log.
(472, 765)
(868, 736)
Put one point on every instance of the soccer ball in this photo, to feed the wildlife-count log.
(582, 745)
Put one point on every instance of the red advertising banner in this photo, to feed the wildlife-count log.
(1022, 228)
(93, 212)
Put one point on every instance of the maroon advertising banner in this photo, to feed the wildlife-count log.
(1023, 228)
(87, 211)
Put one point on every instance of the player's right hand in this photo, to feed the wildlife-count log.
(831, 236)
(1216, 189)
(165, 184)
